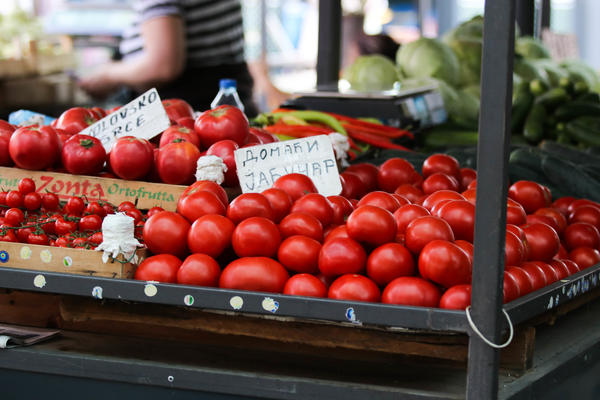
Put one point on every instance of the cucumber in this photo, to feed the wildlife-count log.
(571, 178)
(527, 156)
(552, 98)
(447, 138)
(590, 97)
(533, 130)
(518, 172)
(576, 108)
(537, 87)
(520, 109)
(584, 130)
(569, 153)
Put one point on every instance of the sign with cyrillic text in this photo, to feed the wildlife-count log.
(144, 117)
(258, 167)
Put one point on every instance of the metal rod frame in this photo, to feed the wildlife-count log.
(328, 55)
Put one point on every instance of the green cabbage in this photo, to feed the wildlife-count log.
(466, 40)
(371, 73)
(427, 57)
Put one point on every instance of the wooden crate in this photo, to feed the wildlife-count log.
(66, 260)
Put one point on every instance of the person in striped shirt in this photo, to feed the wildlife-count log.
(183, 48)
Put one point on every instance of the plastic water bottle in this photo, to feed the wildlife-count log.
(227, 95)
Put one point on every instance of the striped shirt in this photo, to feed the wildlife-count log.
(214, 29)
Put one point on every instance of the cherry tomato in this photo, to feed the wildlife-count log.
(166, 233)
(26, 185)
(301, 224)
(95, 238)
(355, 288)
(14, 198)
(153, 210)
(411, 291)
(64, 226)
(62, 242)
(200, 270)
(38, 238)
(8, 236)
(14, 216)
(425, 229)
(135, 214)
(23, 234)
(444, 263)
(372, 225)
(341, 256)
(90, 223)
(160, 268)
(255, 237)
(94, 207)
(305, 285)
(261, 274)
(50, 202)
(210, 234)
(74, 206)
(280, 202)
(457, 297)
(388, 262)
(299, 254)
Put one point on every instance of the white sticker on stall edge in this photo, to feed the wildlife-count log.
(258, 167)
(144, 117)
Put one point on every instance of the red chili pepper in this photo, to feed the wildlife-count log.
(374, 140)
(298, 131)
(377, 129)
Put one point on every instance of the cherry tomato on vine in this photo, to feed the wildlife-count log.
(14, 198)
(50, 201)
(32, 201)
(90, 223)
(75, 206)
(26, 185)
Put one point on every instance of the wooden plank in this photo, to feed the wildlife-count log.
(29, 308)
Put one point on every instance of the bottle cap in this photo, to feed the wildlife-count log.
(227, 83)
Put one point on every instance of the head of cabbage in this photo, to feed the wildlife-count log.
(429, 58)
(371, 73)
(466, 40)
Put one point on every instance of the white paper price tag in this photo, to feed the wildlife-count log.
(259, 166)
(144, 117)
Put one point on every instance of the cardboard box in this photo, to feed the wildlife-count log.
(66, 260)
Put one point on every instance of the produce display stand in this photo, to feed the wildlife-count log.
(153, 340)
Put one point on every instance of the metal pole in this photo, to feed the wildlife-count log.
(525, 16)
(421, 16)
(546, 13)
(490, 217)
(328, 55)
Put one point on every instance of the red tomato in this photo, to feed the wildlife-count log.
(261, 274)
(280, 202)
(159, 268)
(341, 207)
(34, 147)
(263, 136)
(389, 262)
(295, 185)
(256, 236)
(543, 241)
(551, 274)
(367, 173)
(39, 238)
(522, 278)
(6, 131)
(460, 215)
(541, 219)
(95, 238)
(14, 198)
(125, 206)
(443, 163)
(26, 185)
(179, 132)
(177, 108)
(406, 214)
(515, 213)
(14, 216)
(8, 236)
(439, 181)
(562, 204)
(470, 195)
(200, 203)
(559, 220)
(584, 257)
(299, 254)
(530, 195)
(355, 288)
(223, 122)
(380, 199)
(23, 234)
(210, 234)
(444, 263)
(514, 251)
(435, 210)
(352, 186)
(395, 172)
(83, 155)
(131, 158)
(166, 232)
(90, 223)
(341, 256)
(200, 270)
(305, 285)
(301, 224)
(536, 273)
(432, 199)
(154, 210)
(338, 231)
(372, 225)
(176, 162)
(581, 234)
(424, 230)
(75, 119)
(411, 291)
(575, 204)
(510, 289)
(32, 201)
(224, 150)
(249, 205)
(560, 268)
(571, 266)
(207, 186)
(457, 297)
(410, 192)
(75, 206)
(586, 213)
(317, 205)
(467, 175)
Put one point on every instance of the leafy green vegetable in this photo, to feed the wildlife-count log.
(371, 73)
(427, 57)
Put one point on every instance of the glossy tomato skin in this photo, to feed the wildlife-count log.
(411, 291)
(536, 273)
(352, 186)
(32, 201)
(301, 224)
(423, 230)
(467, 175)
(224, 149)
(295, 185)
(179, 132)
(160, 268)
(522, 278)
(410, 192)
(542, 240)
(280, 202)
(440, 181)
(445, 263)
(223, 122)
(34, 147)
(431, 200)
(381, 199)
(441, 163)
(210, 187)
(261, 274)
(263, 136)
(249, 205)
(514, 251)
(515, 213)
(407, 213)
(561, 269)
(131, 158)
(581, 234)
(354, 287)
(341, 256)
(83, 155)
(305, 285)
(460, 215)
(342, 207)
(584, 257)
(176, 163)
(299, 254)
(338, 231)
(166, 233)
(177, 108)
(317, 205)
(210, 234)
(75, 119)
(5, 134)
(371, 224)
(530, 195)
(457, 297)
(256, 236)
(367, 173)
(510, 288)
(199, 203)
(586, 213)
(559, 220)
(388, 262)
(395, 172)
(90, 223)
(200, 270)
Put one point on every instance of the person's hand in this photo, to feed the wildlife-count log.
(98, 84)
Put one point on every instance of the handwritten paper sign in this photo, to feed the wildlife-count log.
(259, 166)
(144, 117)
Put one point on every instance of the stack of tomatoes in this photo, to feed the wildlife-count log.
(168, 158)
(394, 235)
